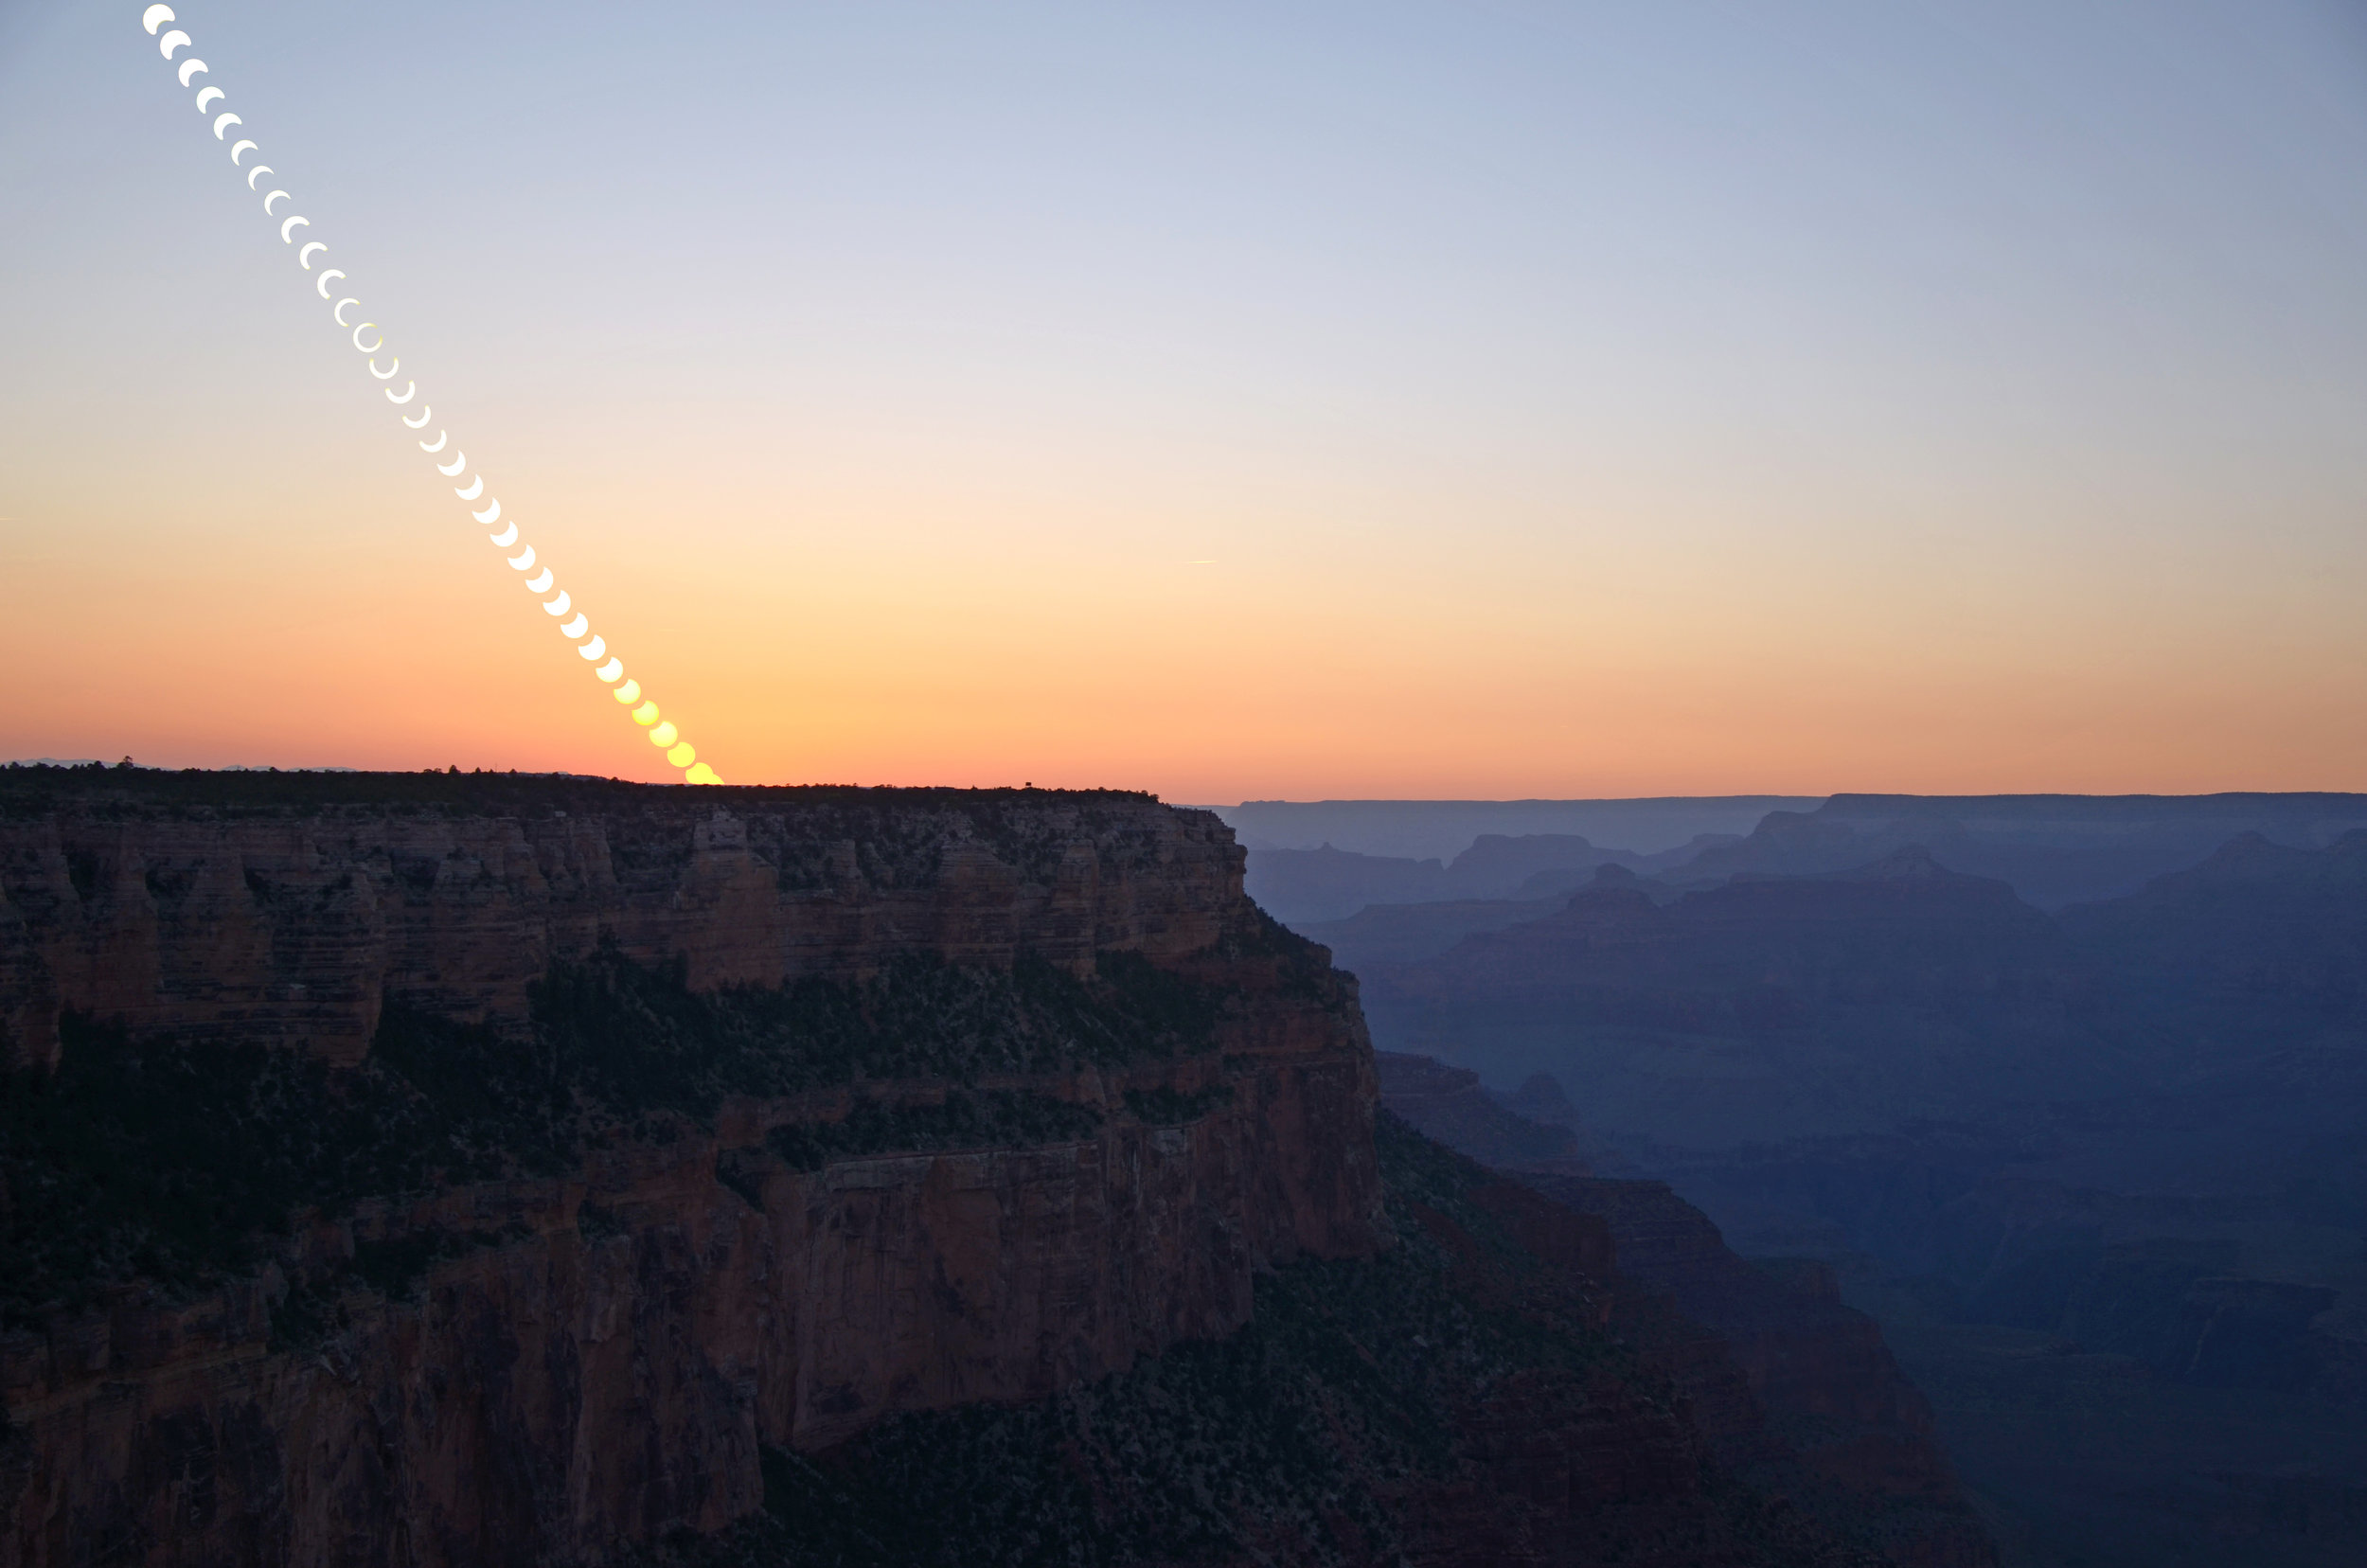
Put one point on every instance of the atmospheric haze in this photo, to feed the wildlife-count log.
(1449, 402)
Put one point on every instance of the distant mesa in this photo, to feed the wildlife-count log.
(1442, 829)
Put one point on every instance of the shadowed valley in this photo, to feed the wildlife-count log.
(2068, 1092)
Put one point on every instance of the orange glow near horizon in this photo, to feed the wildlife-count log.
(1228, 405)
(948, 647)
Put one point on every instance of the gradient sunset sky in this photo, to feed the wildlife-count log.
(1475, 399)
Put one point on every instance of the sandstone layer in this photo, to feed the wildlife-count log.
(289, 908)
(599, 1356)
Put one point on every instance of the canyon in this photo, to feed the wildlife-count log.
(2093, 1163)
(441, 1169)
(606, 1355)
(1788, 1383)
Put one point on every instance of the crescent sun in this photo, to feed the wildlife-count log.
(665, 735)
(460, 461)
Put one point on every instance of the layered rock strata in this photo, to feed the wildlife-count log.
(599, 1356)
(289, 909)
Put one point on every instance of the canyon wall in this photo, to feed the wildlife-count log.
(183, 903)
(1787, 1383)
(577, 1359)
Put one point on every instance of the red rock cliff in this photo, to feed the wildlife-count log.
(197, 909)
(606, 1361)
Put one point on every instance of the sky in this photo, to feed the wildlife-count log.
(1473, 400)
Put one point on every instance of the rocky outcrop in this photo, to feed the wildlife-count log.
(288, 909)
(1830, 1387)
(1785, 1381)
(1447, 1103)
(607, 1362)
(536, 1368)
(1460, 1401)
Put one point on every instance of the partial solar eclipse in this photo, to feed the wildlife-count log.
(577, 626)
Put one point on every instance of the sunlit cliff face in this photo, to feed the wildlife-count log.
(1434, 405)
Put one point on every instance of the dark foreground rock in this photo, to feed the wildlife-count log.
(1469, 1396)
(449, 1169)
(1796, 1389)
(456, 1169)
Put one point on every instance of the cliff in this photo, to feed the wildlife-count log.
(454, 1169)
(1461, 1399)
(1789, 1385)
(288, 908)
(440, 1169)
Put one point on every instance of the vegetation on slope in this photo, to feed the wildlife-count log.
(1002, 1118)
(181, 1162)
(1350, 1422)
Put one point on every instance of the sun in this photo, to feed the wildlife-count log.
(573, 622)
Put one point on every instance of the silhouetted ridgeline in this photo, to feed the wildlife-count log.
(2101, 1169)
(1298, 886)
(454, 1168)
(2054, 849)
(1441, 830)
